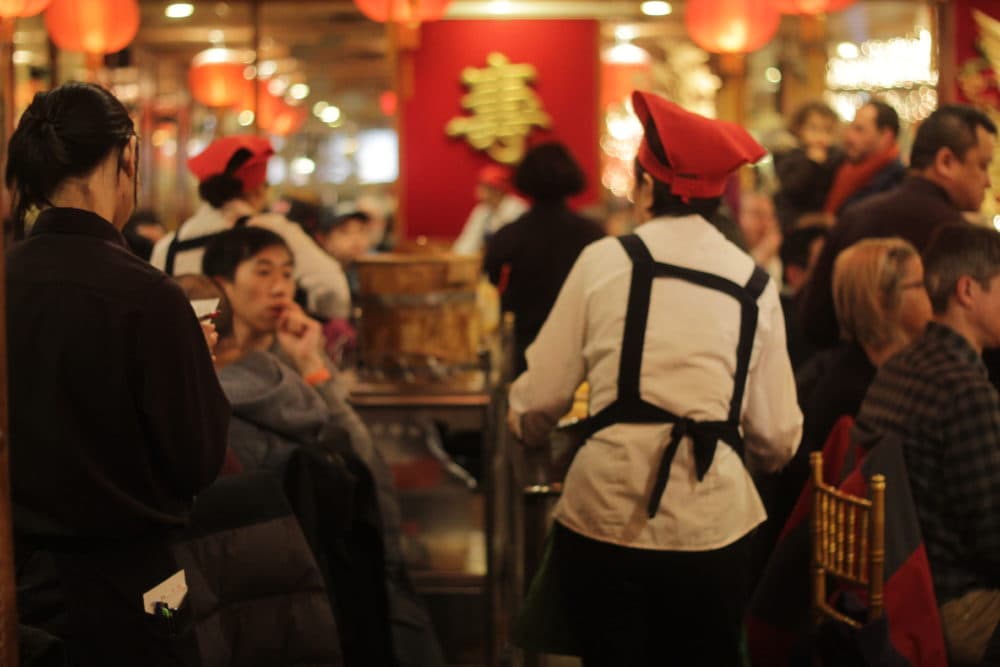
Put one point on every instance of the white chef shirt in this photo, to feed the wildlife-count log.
(689, 360)
(484, 218)
(316, 272)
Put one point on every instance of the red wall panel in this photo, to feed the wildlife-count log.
(438, 173)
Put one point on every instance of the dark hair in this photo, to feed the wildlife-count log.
(64, 133)
(886, 117)
(548, 172)
(802, 114)
(666, 203)
(220, 189)
(329, 222)
(796, 244)
(956, 251)
(228, 250)
(952, 126)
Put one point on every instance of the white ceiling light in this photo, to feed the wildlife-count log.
(847, 51)
(626, 33)
(500, 7)
(303, 166)
(330, 114)
(246, 118)
(179, 10)
(657, 8)
(773, 75)
(299, 91)
(267, 69)
(277, 87)
(319, 108)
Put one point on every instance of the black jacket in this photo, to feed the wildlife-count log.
(913, 211)
(117, 418)
(804, 184)
(539, 248)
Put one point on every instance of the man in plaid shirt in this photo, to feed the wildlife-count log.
(937, 397)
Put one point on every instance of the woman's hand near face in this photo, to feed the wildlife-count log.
(301, 337)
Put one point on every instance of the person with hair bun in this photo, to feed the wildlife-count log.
(232, 176)
(117, 419)
(681, 340)
(530, 258)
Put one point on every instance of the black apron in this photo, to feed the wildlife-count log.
(177, 245)
(630, 408)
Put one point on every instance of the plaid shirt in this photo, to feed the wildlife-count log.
(937, 397)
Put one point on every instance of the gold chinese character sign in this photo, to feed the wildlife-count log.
(504, 109)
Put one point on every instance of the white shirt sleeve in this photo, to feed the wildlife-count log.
(319, 274)
(159, 256)
(556, 365)
(470, 241)
(772, 420)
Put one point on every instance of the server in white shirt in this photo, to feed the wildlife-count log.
(497, 206)
(682, 341)
(232, 177)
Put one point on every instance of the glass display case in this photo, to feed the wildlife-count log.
(447, 465)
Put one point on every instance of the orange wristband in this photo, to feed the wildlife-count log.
(317, 377)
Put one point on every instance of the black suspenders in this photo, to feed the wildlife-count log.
(177, 246)
(630, 408)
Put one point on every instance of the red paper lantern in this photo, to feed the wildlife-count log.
(731, 26)
(216, 78)
(276, 116)
(21, 8)
(93, 26)
(403, 11)
(811, 6)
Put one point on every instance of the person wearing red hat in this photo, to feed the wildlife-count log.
(497, 207)
(682, 341)
(232, 181)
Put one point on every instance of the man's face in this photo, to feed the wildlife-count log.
(862, 137)
(262, 288)
(757, 218)
(970, 177)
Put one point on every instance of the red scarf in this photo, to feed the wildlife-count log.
(852, 176)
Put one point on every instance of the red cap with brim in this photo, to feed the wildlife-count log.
(495, 176)
(213, 160)
(702, 153)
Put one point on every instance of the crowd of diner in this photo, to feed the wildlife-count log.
(724, 339)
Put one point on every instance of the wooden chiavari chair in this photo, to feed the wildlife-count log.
(848, 544)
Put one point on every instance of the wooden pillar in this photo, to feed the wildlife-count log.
(804, 69)
(732, 98)
(255, 22)
(403, 40)
(945, 56)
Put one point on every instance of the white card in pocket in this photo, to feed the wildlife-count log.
(171, 592)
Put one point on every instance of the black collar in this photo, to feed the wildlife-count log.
(76, 221)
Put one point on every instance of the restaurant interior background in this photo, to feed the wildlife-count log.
(359, 111)
(332, 87)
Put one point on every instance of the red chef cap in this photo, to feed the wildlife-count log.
(495, 176)
(694, 155)
(214, 160)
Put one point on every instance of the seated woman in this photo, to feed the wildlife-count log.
(285, 394)
(881, 305)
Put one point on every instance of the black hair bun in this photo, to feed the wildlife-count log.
(220, 189)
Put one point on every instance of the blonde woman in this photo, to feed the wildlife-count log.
(881, 305)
